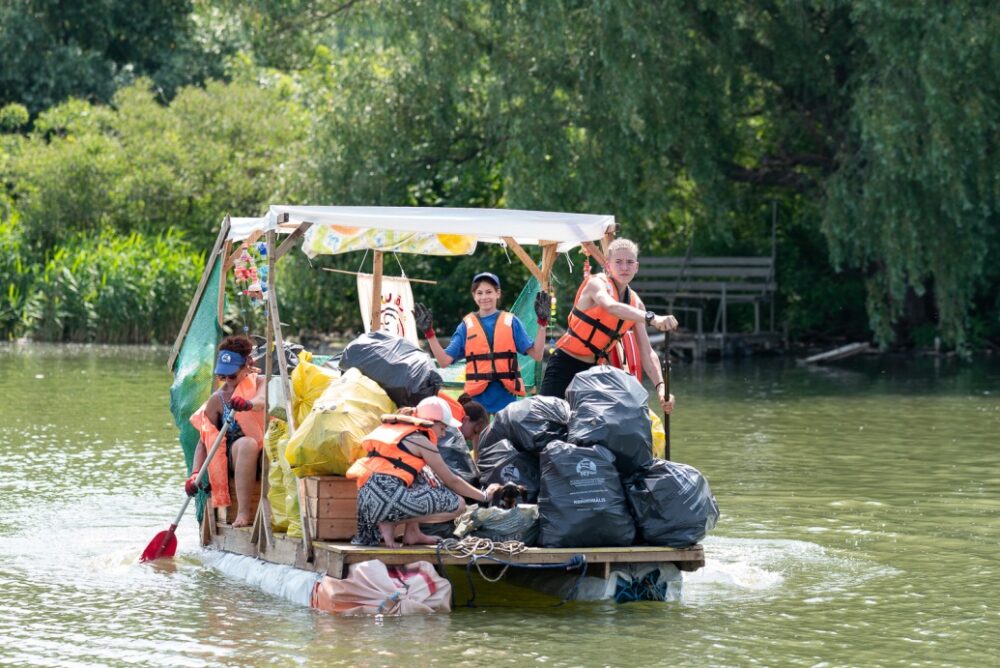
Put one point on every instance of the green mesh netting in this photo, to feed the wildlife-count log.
(531, 371)
(193, 367)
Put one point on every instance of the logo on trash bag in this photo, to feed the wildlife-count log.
(510, 473)
(586, 467)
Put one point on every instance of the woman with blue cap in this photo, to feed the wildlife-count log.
(489, 340)
(241, 391)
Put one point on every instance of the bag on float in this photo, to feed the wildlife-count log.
(457, 456)
(403, 370)
(581, 502)
(529, 424)
(672, 503)
(610, 407)
(501, 462)
(500, 524)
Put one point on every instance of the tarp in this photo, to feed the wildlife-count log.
(425, 230)
(396, 314)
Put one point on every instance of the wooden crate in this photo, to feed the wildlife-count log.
(228, 514)
(333, 507)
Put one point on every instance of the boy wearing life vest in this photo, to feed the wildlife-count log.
(489, 341)
(242, 390)
(404, 481)
(604, 309)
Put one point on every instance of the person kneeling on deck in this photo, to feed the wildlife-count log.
(242, 391)
(489, 340)
(604, 309)
(394, 485)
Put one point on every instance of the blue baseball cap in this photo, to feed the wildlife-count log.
(486, 276)
(228, 363)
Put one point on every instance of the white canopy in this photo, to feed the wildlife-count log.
(486, 225)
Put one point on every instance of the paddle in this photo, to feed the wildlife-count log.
(164, 544)
(665, 368)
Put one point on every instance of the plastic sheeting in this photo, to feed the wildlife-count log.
(501, 462)
(529, 424)
(404, 371)
(581, 502)
(329, 440)
(457, 456)
(372, 588)
(500, 524)
(672, 503)
(610, 407)
(275, 439)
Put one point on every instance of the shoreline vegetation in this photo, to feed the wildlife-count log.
(866, 133)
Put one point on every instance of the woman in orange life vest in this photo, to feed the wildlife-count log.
(604, 309)
(489, 341)
(242, 391)
(398, 482)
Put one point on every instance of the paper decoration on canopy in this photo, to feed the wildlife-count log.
(334, 239)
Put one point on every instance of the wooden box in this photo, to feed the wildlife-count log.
(332, 507)
(228, 514)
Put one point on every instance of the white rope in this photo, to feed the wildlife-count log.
(475, 549)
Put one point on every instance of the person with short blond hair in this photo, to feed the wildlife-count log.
(604, 309)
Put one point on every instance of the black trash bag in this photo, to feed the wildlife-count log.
(529, 424)
(457, 456)
(402, 369)
(581, 502)
(258, 355)
(610, 407)
(501, 462)
(672, 504)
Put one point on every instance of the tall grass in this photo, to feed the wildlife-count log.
(113, 289)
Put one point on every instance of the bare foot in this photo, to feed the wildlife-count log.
(388, 531)
(419, 538)
(242, 521)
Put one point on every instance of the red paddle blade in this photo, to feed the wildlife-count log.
(163, 545)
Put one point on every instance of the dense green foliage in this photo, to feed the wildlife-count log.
(872, 125)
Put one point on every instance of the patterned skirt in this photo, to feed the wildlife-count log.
(386, 498)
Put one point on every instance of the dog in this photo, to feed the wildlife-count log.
(507, 497)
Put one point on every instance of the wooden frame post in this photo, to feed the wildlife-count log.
(376, 315)
(210, 261)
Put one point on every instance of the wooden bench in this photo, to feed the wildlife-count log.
(663, 282)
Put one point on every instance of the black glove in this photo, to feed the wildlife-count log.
(424, 319)
(543, 307)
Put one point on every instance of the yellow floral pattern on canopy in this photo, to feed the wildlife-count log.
(334, 239)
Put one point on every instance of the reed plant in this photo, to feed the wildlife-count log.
(114, 289)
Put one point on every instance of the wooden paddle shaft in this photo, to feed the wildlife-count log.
(204, 467)
(665, 366)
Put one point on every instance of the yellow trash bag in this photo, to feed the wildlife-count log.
(308, 383)
(274, 445)
(329, 439)
(659, 437)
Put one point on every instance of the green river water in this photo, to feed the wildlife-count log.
(860, 527)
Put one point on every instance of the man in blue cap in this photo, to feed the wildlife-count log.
(489, 340)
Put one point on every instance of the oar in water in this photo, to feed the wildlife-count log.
(164, 544)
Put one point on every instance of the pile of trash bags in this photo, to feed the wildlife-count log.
(595, 464)
(589, 470)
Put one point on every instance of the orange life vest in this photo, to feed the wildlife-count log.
(483, 363)
(385, 455)
(252, 424)
(625, 355)
(593, 332)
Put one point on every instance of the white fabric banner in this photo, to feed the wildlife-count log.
(397, 305)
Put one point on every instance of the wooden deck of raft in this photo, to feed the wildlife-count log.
(333, 558)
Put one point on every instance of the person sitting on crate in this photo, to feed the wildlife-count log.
(242, 391)
(604, 309)
(403, 480)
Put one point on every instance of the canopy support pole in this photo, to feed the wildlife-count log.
(525, 259)
(279, 344)
(595, 252)
(289, 241)
(376, 316)
(548, 261)
(209, 265)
